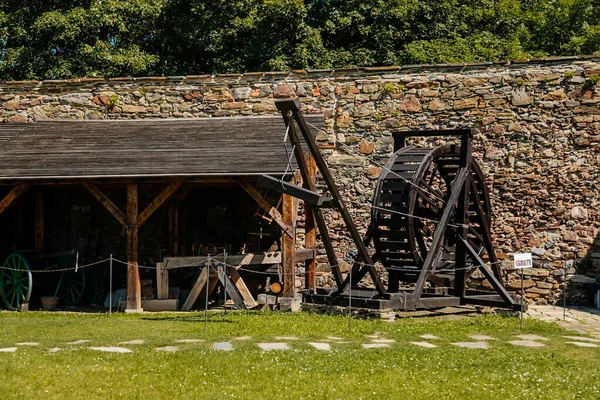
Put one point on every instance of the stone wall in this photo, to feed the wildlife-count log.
(537, 138)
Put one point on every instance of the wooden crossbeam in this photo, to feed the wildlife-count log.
(438, 236)
(231, 289)
(196, 290)
(267, 206)
(106, 202)
(12, 196)
(158, 201)
(242, 288)
(301, 193)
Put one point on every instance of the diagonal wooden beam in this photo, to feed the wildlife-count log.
(158, 201)
(267, 206)
(106, 202)
(13, 195)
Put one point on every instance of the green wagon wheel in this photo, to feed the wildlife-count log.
(71, 285)
(95, 288)
(15, 281)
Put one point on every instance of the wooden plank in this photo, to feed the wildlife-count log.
(242, 288)
(289, 248)
(106, 202)
(158, 201)
(309, 196)
(12, 196)
(305, 255)
(241, 260)
(39, 220)
(134, 287)
(196, 290)
(310, 232)
(267, 206)
(231, 288)
(162, 281)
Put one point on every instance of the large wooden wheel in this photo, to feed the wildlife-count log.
(71, 284)
(15, 281)
(410, 197)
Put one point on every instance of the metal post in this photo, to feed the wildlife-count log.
(522, 299)
(350, 296)
(225, 279)
(208, 263)
(565, 292)
(110, 293)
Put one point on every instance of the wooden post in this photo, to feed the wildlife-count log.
(134, 289)
(39, 220)
(310, 233)
(162, 281)
(289, 248)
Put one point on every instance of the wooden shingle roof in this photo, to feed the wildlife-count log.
(229, 146)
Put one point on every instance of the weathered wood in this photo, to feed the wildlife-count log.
(240, 260)
(230, 288)
(162, 281)
(158, 201)
(12, 196)
(196, 290)
(267, 206)
(288, 248)
(173, 215)
(242, 288)
(309, 196)
(39, 220)
(106, 202)
(134, 288)
(305, 255)
(310, 232)
(153, 148)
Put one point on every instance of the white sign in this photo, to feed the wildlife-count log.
(523, 260)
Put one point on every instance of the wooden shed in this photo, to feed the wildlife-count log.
(153, 189)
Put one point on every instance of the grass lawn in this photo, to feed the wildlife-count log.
(556, 371)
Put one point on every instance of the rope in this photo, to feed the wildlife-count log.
(37, 271)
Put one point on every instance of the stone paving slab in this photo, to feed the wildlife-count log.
(334, 338)
(531, 337)
(583, 344)
(426, 345)
(223, 346)
(527, 343)
(190, 340)
(286, 338)
(76, 342)
(472, 345)
(243, 338)
(167, 348)
(429, 337)
(273, 346)
(136, 341)
(375, 345)
(8, 350)
(27, 344)
(320, 346)
(582, 319)
(54, 349)
(383, 341)
(112, 349)
(482, 337)
(582, 339)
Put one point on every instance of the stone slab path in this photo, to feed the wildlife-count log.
(527, 343)
(112, 349)
(223, 346)
(426, 345)
(274, 346)
(472, 345)
(582, 319)
(320, 346)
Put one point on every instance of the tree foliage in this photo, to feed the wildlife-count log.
(41, 39)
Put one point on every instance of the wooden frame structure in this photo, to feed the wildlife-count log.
(124, 155)
(462, 194)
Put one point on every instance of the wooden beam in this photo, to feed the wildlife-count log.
(241, 260)
(134, 288)
(309, 196)
(310, 232)
(289, 249)
(39, 220)
(230, 288)
(196, 290)
(106, 202)
(267, 206)
(242, 288)
(158, 201)
(13, 195)
(162, 281)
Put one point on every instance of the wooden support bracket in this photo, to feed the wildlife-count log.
(266, 205)
(12, 196)
(106, 202)
(158, 201)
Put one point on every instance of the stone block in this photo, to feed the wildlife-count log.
(160, 305)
